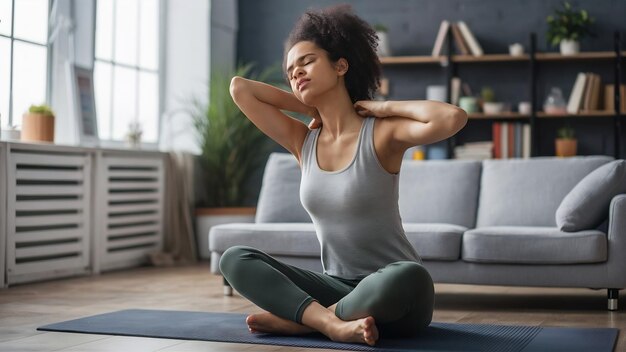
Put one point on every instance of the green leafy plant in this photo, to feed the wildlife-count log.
(378, 27)
(565, 132)
(568, 23)
(232, 147)
(41, 109)
(487, 94)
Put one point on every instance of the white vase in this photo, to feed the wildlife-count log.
(569, 47)
(383, 44)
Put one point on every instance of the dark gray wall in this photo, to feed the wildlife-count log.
(413, 26)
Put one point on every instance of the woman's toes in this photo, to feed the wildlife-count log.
(252, 322)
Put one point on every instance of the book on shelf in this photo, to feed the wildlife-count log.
(460, 43)
(455, 90)
(526, 141)
(585, 96)
(469, 38)
(441, 38)
(592, 92)
(474, 150)
(576, 96)
(464, 40)
(609, 99)
(594, 101)
(511, 140)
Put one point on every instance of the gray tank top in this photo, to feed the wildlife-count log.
(354, 210)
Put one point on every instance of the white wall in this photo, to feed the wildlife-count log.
(201, 37)
(186, 70)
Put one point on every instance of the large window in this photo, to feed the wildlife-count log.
(23, 57)
(126, 73)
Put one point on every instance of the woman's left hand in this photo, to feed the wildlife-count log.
(374, 108)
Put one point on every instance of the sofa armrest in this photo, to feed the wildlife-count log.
(617, 240)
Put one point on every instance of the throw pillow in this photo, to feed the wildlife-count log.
(587, 204)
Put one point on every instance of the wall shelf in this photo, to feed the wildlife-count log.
(582, 114)
(426, 59)
(503, 115)
(531, 59)
(599, 55)
(401, 60)
(490, 58)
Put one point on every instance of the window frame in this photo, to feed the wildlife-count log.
(11, 37)
(160, 74)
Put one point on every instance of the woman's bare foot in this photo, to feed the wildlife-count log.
(268, 322)
(360, 330)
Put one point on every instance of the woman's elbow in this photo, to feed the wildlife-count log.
(459, 119)
(236, 86)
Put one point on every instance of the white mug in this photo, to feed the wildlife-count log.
(516, 49)
(524, 108)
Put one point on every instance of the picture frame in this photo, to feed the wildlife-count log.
(82, 103)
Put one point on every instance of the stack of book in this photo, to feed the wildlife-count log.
(474, 151)
(464, 40)
(511, 140)
(585, 94)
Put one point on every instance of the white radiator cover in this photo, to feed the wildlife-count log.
(128, 208)
(48, 221)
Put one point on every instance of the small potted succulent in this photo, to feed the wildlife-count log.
(38, 124)
(565, 143)
(489, 105)
(566, 27)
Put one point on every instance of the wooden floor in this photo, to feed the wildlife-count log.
(24, 308)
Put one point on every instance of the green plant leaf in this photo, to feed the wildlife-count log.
(232, 147)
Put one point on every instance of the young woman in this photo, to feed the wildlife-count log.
(373, 284)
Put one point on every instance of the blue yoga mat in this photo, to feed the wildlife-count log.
(230, 327)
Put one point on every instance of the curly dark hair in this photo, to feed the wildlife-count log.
(342, 34)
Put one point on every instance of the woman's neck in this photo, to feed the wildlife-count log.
(338, 114)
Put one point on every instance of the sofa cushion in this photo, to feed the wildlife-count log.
(527, 192)
(439, 191)
(297, 239)
(279, 199)
(533, 245)
(587, 204)
(435, 241)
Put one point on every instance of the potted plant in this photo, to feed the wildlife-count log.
(38, 124)
(383, 41)
(233, 150)
(567, 27)
(133, 135)
(489, 105)
(565, 143)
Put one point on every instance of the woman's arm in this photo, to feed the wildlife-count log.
(262, 104)
(415, 122)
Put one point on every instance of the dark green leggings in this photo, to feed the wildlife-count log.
(399, 296)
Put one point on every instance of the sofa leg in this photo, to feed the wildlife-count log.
(228, 290)
(613, 296)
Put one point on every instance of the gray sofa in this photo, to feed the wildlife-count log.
(488, 222)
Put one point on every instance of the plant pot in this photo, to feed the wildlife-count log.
(565, 147)
(569, 47)
(209, 217)
(491, 108)
(383, 44)
(37, 128)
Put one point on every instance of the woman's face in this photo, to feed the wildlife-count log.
(310, 72)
